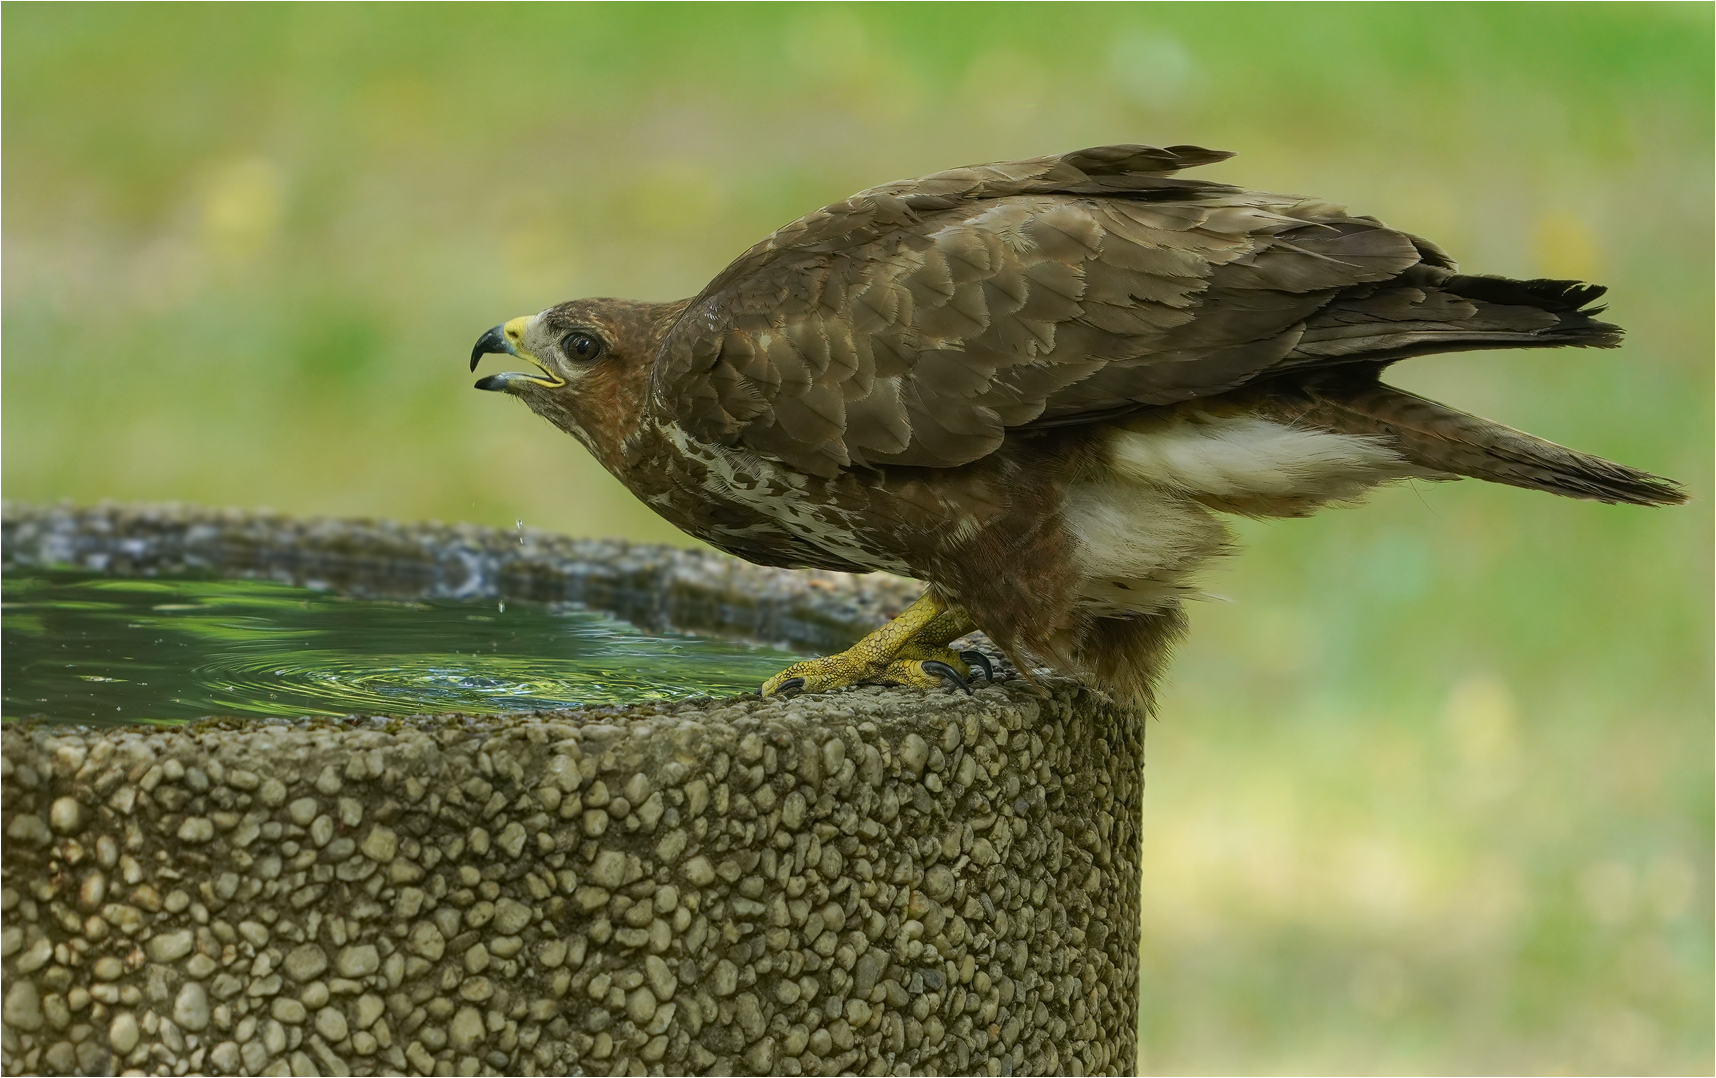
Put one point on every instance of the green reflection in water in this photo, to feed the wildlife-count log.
(79, 647)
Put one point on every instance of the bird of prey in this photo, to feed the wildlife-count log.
(1038, 386)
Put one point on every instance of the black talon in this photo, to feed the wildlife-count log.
(947, 673)
(791, 684)
(977, 658)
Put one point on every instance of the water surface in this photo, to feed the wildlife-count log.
(81, 647)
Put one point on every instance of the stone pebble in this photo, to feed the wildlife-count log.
(804, 900)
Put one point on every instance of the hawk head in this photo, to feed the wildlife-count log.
(592, 360)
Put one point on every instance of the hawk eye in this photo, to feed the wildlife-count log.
(583, 347)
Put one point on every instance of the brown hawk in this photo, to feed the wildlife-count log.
(1036, 386)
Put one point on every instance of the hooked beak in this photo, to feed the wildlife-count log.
(491, 342)
(504, 338)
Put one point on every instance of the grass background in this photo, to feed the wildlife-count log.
(1433, 794)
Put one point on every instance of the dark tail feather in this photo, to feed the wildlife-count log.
(1570, 301)
(1448, 440)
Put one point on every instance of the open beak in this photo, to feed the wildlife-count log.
(504, 338)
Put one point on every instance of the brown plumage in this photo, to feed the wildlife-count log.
(1033, 384)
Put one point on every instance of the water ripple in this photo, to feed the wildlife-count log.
(86, 648)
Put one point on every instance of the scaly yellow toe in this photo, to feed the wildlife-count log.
(822, 675)
(910, 650)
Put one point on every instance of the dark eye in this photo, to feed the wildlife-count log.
(583, 347)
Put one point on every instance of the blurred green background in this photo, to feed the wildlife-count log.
(1433, 794)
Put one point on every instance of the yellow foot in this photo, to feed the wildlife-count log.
(910, 650)
(935, 667)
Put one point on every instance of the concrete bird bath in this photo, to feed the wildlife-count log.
(878, 881)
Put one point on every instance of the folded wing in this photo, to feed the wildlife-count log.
(916, 323)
